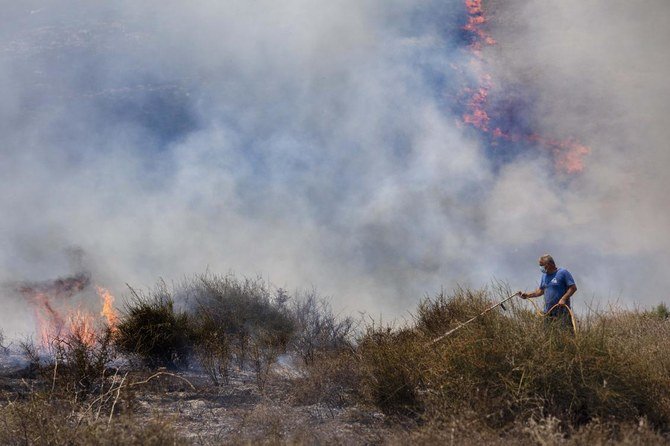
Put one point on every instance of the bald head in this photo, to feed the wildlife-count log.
(547, 260)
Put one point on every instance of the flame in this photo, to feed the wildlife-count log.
(56, 318)
(49, 322)
(81, 326)
(476, 19)
(568, 154)
(108, 311)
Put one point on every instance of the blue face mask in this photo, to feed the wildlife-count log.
(543, 269)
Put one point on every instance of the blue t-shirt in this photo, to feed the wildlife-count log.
(555, 285)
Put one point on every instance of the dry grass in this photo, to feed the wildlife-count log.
(43, 420)
(505, 378)
(507, 368)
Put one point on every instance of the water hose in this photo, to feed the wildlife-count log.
(541, 314)
(500, 304)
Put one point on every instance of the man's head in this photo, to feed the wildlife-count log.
(547, 264)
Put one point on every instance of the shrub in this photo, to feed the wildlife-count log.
(509, 366)
(661, 311)
(236, 319)
(154, 330)
(78, 365)
(318, 330)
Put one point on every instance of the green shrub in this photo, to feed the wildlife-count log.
(661, 311)
(154, 330)
(238, 308)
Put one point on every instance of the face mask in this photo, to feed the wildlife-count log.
(543, 269)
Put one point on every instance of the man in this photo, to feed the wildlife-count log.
(557, 286)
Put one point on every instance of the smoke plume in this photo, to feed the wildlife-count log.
(323, 144)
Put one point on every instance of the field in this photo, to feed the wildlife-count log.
(219, 360)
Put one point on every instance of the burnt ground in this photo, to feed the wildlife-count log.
(239, 411)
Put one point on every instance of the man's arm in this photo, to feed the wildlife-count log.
(537, 293)
(571, 290)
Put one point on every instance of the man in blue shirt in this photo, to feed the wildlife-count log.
(557, 286)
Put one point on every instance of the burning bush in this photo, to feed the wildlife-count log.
(153, 330)
(80, 364)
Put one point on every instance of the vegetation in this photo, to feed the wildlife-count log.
(154, 330)
(661, 311)
(237, 320)
(508, 367)
(507, 377)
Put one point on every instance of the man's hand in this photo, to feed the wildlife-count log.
(523, 294)
(566, 297)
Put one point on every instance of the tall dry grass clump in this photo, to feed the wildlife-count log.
(511, 366)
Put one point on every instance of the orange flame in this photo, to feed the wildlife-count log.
(108, 311)
(48, 320)
(55, 319)
(81, 326)
(568, 154)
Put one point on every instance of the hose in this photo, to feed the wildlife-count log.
(541, 314)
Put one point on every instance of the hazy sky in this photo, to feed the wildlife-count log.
(320, 143)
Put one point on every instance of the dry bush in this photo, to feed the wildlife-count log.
(153, 330)
(81, 364)
(332, 379)
(318, 330)
(464, 429)
(214, 354)
(237, 319)
(509, 366)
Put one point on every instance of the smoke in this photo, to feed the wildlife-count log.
(321, 143)
(596, 74)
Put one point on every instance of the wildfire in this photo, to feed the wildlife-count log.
(57, 317)
(568, 154)
(108, 311)
(476, 19)
(81, 326)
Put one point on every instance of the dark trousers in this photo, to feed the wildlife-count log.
(559, 319)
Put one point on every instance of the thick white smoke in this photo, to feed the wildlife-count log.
(316, 143)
